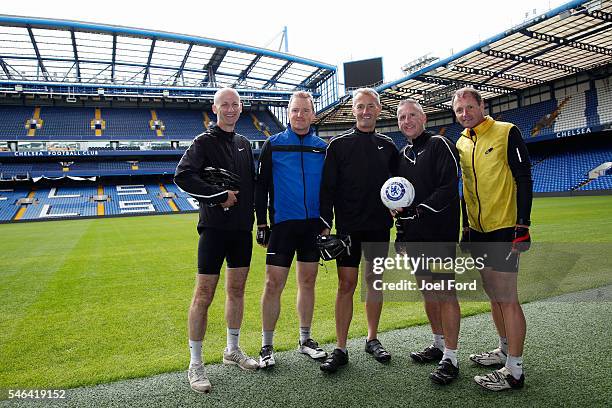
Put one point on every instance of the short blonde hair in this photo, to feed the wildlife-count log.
(460, 93)
(303, 95)
(367, 91)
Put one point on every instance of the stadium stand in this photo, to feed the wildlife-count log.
(135, 198)
(533, 120)
(76, 201)
(87, 168)
(246, 127)
(571, 112)
(65, 123)
(9, 170)
(451, 131)
(600, 183)
(268, 119)
(130, 135)
(592, 116)
(576, 111)
(62, 202)
(8, 199)
(182, 124)
(13, 121)
(99, 148)
(563, 169)
(128, 123)
(604, 101)
(567, 170)
(183, 201)
(398, 138)
(159, 165)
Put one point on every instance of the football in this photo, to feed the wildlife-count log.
(397, 192)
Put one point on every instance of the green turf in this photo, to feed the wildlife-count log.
(91, 301)
(554, 376)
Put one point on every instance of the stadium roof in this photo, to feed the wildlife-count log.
(35, 51)
(570, 39)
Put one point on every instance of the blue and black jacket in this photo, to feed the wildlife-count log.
(289, 177)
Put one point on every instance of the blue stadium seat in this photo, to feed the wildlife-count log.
(8, 199)
(74, 123)
(66, 123)
(181, 124)
(567, 170)
(13, 121)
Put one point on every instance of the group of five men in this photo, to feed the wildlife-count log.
(302, 182)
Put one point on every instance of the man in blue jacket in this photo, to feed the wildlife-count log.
(288, 181)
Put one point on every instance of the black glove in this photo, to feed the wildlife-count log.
(400, 238)
(464, 244)
(263, 235)
(521, 240)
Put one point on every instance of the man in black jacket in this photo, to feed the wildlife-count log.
(225, 228)
(431, 226)
(357, 164)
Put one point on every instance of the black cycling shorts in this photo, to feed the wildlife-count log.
(436, 255)
(290, 237)
(495, 248)
(215, 245)
(373, 244)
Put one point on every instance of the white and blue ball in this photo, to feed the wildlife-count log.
(397, 192)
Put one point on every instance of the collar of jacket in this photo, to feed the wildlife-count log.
(420, 141)
(480, 129)
(217, 131)
(291, 132)
(362, 132)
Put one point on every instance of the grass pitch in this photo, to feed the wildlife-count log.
(555, 377)
(91, 301)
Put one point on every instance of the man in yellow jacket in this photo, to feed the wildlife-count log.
(497, 192)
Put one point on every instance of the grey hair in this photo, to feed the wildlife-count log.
(411, 101)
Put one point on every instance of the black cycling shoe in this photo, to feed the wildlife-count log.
(377, 350)
(445, 373)
(336, 359)
(428, 355)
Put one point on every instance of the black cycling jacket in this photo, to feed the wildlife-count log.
(431, 164)
(356, 166)
(227, 150)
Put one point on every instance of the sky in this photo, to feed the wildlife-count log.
(333, 32)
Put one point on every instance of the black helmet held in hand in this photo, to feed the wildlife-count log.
(221, 178)
(333, 246)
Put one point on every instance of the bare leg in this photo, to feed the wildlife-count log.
(306, 279)
(432, 307)
(450, 316)
(347, 282)
(276, 277)
(374, 301)
(235, 280)
(496, 313)
(502, 289)
(203, 295)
